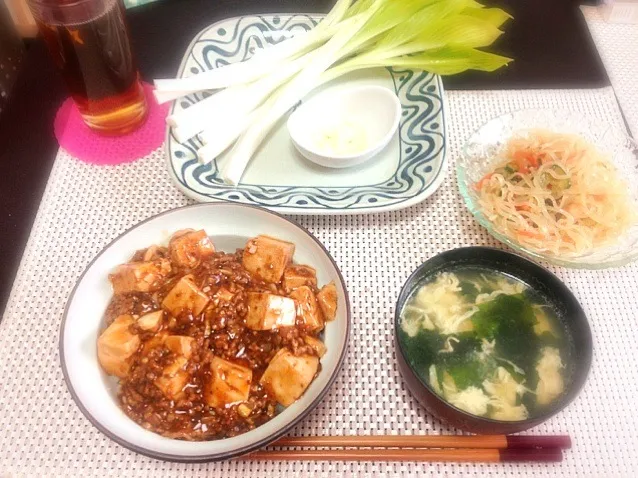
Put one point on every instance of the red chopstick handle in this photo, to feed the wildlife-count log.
(531, 454)
(530, 441)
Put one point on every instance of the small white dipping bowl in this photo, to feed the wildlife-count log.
(370, 112)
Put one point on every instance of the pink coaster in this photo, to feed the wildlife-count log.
(90, 147)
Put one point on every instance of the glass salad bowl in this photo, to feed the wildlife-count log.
(480, 156)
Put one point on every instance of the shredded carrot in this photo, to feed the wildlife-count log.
(483, 180)
(530, 234)
(524, 160)
(521, 164)
(532, 159)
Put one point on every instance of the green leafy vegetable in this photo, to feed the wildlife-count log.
(509, 320)
(421, 350)
(469, 290)
(444, 37)
(504, 313)
(464, 364)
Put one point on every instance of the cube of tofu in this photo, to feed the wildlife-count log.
(173, 379)
(140, 276)
(180, 345)
(307, 308)
(288, 376)
(296, 276)
(317, 345)
(267, 257)
(268, 311)
(188, 248)
(150, 322)
(229, 384)
(185, 296)
(116, 345)
(327, 298)
(156, 340)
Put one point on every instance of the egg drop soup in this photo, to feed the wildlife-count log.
(487, 344)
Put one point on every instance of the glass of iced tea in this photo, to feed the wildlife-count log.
(89, 42)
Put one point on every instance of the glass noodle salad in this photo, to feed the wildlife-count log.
(556, 193)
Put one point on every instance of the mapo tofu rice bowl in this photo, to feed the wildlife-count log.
(201, 342)
(206, 344)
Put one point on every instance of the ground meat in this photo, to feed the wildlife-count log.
(218, 331)
(132, 303)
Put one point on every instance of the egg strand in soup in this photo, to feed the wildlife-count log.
(486, 344)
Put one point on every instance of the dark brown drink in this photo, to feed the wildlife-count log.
(89, 42)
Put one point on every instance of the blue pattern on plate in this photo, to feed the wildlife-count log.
(422, 130)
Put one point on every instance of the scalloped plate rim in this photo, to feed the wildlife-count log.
(292, 209)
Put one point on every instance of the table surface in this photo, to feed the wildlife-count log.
(45, 434)
(548, 39)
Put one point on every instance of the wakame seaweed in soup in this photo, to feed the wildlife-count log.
(486, 343)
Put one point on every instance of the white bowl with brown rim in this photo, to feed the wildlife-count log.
(229, 226)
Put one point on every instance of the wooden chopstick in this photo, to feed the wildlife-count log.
(421, 448)
(429, 441)
(416, 455)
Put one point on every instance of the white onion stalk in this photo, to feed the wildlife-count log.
(236, 101)
(259, 65)
(277, 106)
(439, 36)
(190, 121)
(216, 141)
(264, 61)
(166, 96)
(200, 109)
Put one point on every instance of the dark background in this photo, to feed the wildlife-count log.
(548, 39)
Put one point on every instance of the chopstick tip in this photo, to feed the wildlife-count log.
(547, 455)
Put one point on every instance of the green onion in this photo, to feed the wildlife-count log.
(444, 37)
(262, 63)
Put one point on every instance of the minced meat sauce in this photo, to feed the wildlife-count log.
(219, 331)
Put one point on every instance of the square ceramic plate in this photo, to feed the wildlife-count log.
(406, 172)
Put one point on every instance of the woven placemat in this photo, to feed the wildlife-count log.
(617, 45)
(43, 433)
